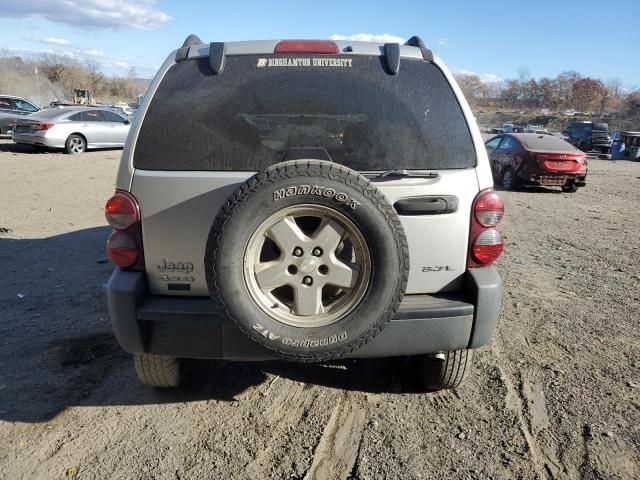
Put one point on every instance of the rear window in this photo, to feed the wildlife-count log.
(247, 117)
(546, 142)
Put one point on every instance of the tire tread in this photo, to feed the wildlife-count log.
(157, 370)
(456, 368)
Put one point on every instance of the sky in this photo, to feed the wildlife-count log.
(496, 40)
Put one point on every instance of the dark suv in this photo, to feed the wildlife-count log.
(307, 200)
(589, 136)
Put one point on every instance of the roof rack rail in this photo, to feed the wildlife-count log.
(392, 57)
(191, 40)
(217, 52)
(416, 41)
(183, 52)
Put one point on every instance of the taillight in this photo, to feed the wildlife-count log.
(122, 249)
(487, 246)
(124, 245)
(489, 209)
(316, 47)
(35, 127)
(121, 211)
(485, 242)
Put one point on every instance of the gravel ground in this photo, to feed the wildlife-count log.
(555, 395)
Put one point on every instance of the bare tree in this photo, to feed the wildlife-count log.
(588, 94)
(53, 66)
(632, 104)
(472, 87)
(510, 93)
(94, 75)
(612, 102)
(550, 93)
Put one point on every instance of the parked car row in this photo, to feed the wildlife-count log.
(74, 128)
(586, 136)
(511, 128)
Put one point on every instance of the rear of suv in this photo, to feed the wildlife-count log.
(304, 200)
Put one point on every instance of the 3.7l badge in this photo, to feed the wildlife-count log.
(438, 268)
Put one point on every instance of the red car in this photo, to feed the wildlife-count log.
(520, 159)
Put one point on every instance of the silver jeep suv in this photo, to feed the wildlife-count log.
(307, 200)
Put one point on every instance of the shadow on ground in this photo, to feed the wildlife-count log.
(58, 351)
(531, 189)
(10, 147)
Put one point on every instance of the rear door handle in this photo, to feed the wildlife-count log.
(427, 205)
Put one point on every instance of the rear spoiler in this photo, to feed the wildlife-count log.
(391, 53)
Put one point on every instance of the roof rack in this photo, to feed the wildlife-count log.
(416, 41)
(392, 53)
(183, 52)
(392, 57)
(191, 40)
(217, 51)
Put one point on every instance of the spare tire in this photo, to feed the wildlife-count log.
(309, 259)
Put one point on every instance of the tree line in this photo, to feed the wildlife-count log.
(55, 77)
(569, 90)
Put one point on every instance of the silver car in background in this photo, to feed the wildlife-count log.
(75, 129)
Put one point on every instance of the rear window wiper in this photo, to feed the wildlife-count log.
(392, 174)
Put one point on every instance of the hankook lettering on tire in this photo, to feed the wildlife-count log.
(326, 192)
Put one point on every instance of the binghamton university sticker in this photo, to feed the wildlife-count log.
(304, 62)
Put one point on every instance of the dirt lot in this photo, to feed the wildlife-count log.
(557, 394)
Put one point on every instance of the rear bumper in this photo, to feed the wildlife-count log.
(31, 139)
(191, 327)
(557, 179)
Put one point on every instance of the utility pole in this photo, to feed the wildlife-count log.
(38, 84)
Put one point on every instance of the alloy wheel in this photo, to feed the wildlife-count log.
(307, 266)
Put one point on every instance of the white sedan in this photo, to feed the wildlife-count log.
(75, 129)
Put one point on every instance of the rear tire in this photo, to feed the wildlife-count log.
(75, 144)
(509, 180)
(444, 370)
(569, 188)
(157, 370)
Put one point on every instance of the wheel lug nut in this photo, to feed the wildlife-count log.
(307, 280)
(317, 252)
(297, 252)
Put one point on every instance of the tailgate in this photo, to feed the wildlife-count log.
(437, 240)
